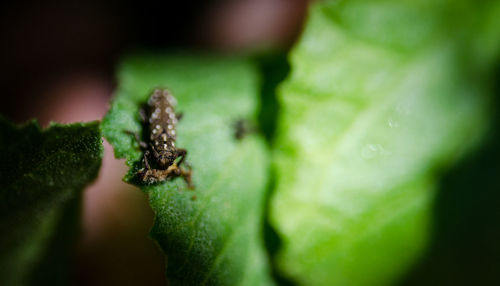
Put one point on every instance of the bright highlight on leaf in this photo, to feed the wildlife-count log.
(210, 235)
(42, 175)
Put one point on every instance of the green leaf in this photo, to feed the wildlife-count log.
(42, 175)
(383, 97)
(216, 238)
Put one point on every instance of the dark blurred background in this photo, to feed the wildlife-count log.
(59, 47)
(58, 64)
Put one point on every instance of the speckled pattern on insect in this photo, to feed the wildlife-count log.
(160, 119)
(162, 122)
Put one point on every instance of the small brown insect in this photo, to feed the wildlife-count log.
(160, 118)
(242, 128)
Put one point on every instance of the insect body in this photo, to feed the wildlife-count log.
(160, 117)
(162, 121)
(243, 128)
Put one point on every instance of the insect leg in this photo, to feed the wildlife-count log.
(181, 153)
(145, 173)
(145, 160)
(141, 143)
(142, 115)
(186, 175)
(179, 115)
(155, 153)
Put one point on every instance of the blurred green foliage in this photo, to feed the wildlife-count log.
(383, 98)
(41, 178)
